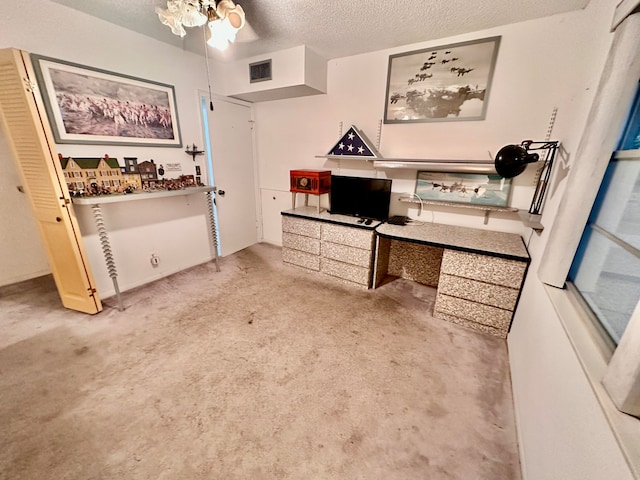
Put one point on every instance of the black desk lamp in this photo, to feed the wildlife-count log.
(512, 160)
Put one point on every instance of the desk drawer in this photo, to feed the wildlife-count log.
(353, 237)
(298, 242)
(346, 254)
(473, 312)
(301, 259)
(345, 271)
(301, 226)
(499, 271)
(479, 292)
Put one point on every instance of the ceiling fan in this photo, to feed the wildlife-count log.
(222, 19)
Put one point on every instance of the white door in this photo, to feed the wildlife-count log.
(230, 139)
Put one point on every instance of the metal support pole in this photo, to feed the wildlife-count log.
(212, 229)
(106, 251)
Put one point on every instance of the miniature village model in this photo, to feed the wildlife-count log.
(103, 176)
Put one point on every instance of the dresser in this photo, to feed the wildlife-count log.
(335, 245)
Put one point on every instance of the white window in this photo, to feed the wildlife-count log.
(606, 269)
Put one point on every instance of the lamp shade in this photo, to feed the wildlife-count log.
(511, 160)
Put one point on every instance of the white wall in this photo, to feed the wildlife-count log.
(57, 31)
(21, 253)
(542, 64)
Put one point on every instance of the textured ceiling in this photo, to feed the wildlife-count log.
(332, 29)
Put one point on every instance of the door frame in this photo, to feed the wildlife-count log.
(207, 148)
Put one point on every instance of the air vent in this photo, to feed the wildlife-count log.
(260, 71)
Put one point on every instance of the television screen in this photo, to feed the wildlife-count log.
(360, 197)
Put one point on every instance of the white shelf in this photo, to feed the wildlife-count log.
(457, 166)
(128, 197)
(529, 220)
(346, 157)
(432, 165)
(486, 208)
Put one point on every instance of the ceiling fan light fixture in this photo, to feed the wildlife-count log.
(191, 15)
(212, 15)
(222, 19)
(217, 35)
(171, 17)
(227, 10)
(236, 17)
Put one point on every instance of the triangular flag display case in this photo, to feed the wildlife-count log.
(354, 144)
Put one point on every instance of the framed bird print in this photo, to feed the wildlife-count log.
(446, 83)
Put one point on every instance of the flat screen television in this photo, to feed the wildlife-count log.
(360, 197)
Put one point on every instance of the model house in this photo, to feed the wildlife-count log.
(85, 173)
(569, 77)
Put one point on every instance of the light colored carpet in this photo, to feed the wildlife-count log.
(261, 371)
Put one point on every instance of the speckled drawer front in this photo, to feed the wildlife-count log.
(476, 326)
(345, 271)
(344, 253)
(500, 271)
(472, 311)
(301, 259)
(301, 226)
(420, 263)
(494, 295)
(353, 237)
(298, 242)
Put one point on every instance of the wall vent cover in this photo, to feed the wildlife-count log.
(260, 71)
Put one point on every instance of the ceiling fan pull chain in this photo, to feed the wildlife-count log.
(206, 59)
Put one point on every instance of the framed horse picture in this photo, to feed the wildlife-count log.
(87, 105)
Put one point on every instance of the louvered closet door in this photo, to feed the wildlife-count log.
(27, 130)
